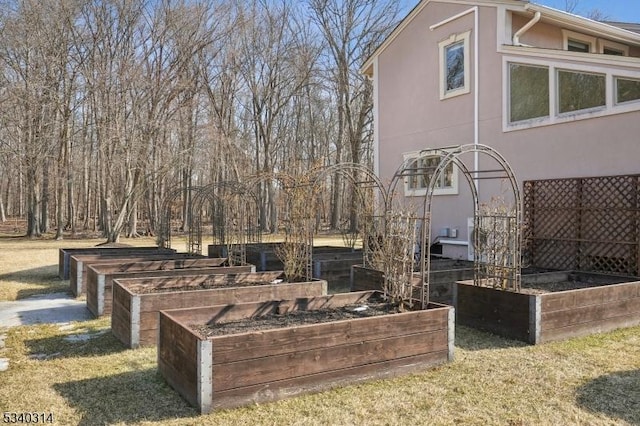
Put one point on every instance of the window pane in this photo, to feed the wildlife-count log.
(578, 46)
(455, 66)
(529, 87)
(627, 90)
(578, 91)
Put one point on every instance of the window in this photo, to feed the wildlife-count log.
(576, 42)
(627, 90)
(578, 91)
(612, 48)
(420, 171)
(578, 46)
(529, 92)
(454, 65)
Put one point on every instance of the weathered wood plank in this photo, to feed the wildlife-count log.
(322, 381)
(101, 300)
(584, 314)
(586, 328)
(64, 255)
(298, 363)
(589, 296)
(276, 342)
(79, 263)
(177, 358)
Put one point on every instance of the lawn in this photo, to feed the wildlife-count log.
(82, 375)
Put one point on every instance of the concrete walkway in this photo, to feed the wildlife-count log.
(52, 308)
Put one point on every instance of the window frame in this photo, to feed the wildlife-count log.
(422, 191)
(612, 45)
(553, 64)
(616, 102)
(579, 37)
(557, 71)
(508, 77)
(442, 48)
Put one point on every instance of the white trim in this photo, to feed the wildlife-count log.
(442, 48)
(615, 91)
(579, 23)
(421, 192)
(612, 45)
(611, 108)
(376, 118)
(579, 37)
(563, 55)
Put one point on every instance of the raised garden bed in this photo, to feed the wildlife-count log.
(64, 254)
(551, 306)
(100, 279)
(237, 369)
(443, 276)
(78, 264)
(136, 302)
(264, 255)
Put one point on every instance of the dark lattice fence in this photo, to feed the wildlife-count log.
(585, 224)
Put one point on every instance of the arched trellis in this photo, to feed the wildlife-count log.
(371, 202)
(234, 216)
(497, 266)
(163, 238)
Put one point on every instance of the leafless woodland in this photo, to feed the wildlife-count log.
(110, 105)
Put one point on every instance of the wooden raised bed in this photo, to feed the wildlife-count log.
(78, 264)
(136, 302)
(100, 279)
(539, 318)
(64, 254)
(239, 369)
(442, 278)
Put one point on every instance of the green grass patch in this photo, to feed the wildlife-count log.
(83, 375)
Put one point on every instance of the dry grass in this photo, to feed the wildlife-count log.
(493, 381)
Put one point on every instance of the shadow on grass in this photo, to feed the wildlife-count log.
(616, 395)
(471, 339)
(43, 275)
(79, 344)
(124, 398)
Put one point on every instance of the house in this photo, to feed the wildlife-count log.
(556, 94)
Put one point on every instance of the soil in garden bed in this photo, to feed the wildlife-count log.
(204, 286)
(295, 318)
(575, 282)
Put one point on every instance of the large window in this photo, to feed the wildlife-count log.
(529, 92)
(454, 65)
(420, 171)
(627, 90)
(578, 91)
(538, 93)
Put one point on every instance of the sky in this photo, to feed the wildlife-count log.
(614, 10)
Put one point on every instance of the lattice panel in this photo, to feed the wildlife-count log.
(588, 224)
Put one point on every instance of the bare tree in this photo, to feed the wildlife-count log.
(352, 29)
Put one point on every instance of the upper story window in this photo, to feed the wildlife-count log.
(454, 65)
(538, 92)
(528, 92)
(420, 171)
(627, 90)
(580, 91)
(576, 42)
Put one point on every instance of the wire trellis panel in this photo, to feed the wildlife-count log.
(589, 224)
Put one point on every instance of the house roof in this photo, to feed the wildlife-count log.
(623, 32)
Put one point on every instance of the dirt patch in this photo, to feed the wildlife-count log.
(295, 318)
(575, 281)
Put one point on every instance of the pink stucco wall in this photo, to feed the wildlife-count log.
(412, 117)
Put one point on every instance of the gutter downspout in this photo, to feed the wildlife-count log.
(476, 85)
(527, 27)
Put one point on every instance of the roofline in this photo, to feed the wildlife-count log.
(548, 14)
(610, 31)
(367, 67)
